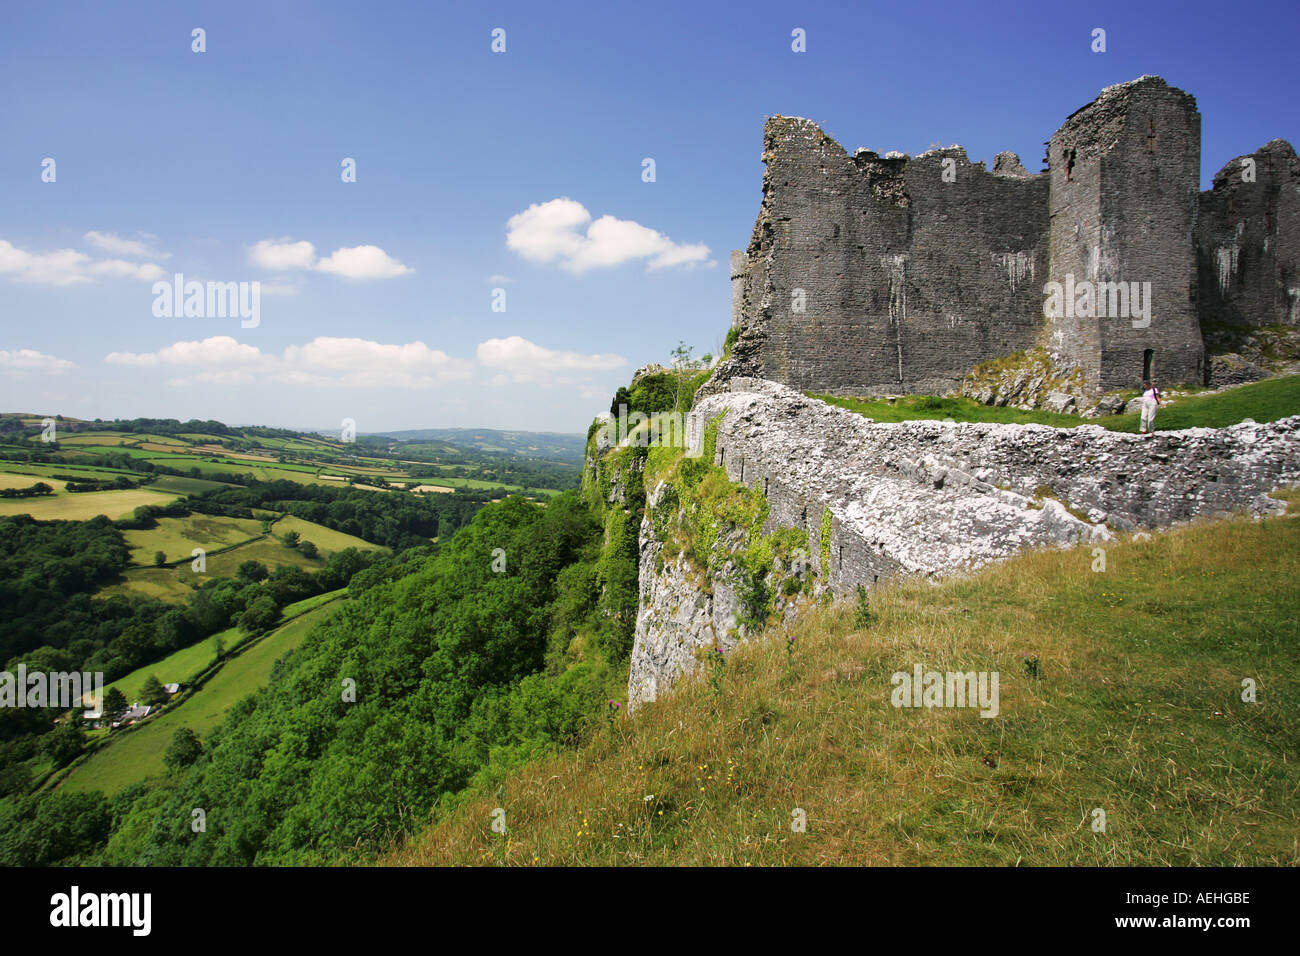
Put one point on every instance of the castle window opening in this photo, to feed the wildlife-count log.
(1068, 156)
(1148, 363)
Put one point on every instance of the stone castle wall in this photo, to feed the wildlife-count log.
(905, 280)
(929, 497)
(1248, 242)
(870, 274)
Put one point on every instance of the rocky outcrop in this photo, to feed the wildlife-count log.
(929, 497)
(1025, 380)
(683, 611)
(1231, 369)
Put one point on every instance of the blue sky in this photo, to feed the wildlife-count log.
(477, 170)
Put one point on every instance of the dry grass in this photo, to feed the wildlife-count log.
(1138, 712)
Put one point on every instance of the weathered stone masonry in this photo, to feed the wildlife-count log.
(906, 280)
(934, 497)
(1248, 242)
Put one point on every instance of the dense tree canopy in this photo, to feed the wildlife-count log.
(449, 665)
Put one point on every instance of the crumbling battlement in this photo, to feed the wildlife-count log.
(871, 274)
(1248, 242)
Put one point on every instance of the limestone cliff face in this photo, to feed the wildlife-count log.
(683, 611)
(922, 497)
(692, 603)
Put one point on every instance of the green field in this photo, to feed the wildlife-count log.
(178, 537)
(11, 480)
(272, 552)
(176, 583)
(181, 667)
(185, 486)
(116, 438)
(184, 665)
(304, 476)
(296, 444)
(63, 506)
(130, 451)
(62, 468)
(137, 754)
(161, 583)
(326, 539)
(479, 483)
(1265, 401)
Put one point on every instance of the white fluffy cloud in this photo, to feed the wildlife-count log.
(217, 351)
(69, 266)
(362, 262)
(282, 254)
(117, 245)
(356, 262)
(552, 232)
(324, 361)
(519, 360)
(362, 363)
(29, 360)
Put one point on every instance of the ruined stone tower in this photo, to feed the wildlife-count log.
(870, 274)
(1248, 243)
(1125, 172)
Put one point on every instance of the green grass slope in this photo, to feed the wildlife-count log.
(1265, 401)
(136, 754)
(1138, 713)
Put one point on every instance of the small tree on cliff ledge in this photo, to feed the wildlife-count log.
(684, 364)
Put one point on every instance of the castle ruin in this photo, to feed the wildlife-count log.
(870, 274)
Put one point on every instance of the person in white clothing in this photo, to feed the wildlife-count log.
(1150, 402)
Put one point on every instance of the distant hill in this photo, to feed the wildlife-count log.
(554, 445)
